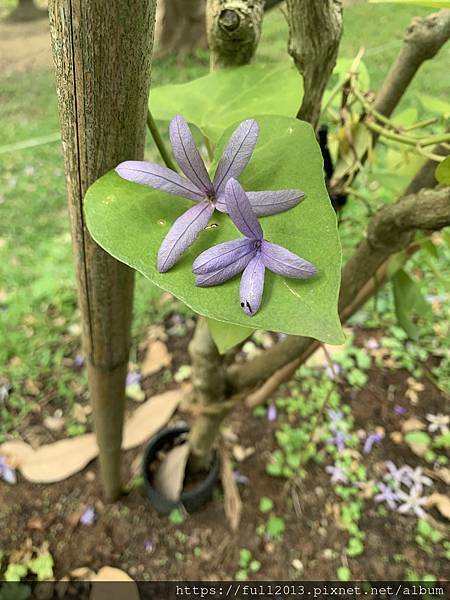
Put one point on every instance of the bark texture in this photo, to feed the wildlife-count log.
(208, 379)
(180, 27)
(102, 52)
(315, 30)
(390, 231)
(424, 38)
(234, 29)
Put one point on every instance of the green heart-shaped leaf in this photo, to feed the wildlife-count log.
(218, 100)
(130, 222)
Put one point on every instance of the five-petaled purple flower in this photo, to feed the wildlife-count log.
(251, 254)
(197, 185)
(388, 495)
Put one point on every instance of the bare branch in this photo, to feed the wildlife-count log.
(234, 29)
(315, 30)
(390, 231)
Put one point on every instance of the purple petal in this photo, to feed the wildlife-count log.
(237, 153)
(267, 203)
(272, 413)
(222, 255)
(160, 178)
(286, 263)
(182, 234)
(88, 517)
(252, 286)
(225, 273)
(272, 203)
(187, 155)
(241, 212)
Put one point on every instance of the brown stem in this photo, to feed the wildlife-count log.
(233, 29)
(390, 230)
(315, 30)
(103, 77)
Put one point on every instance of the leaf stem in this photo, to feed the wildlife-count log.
(164, 153)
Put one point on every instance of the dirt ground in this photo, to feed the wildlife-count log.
(131, 536)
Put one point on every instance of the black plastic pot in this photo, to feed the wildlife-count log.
(193, 499)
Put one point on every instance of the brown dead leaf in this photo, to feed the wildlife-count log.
(54, 462)
(169, 477)
(444, 474)
(240, 453)
(412, 424)
(79, 414)
(232, 498)
(396, 437)
(150, 417)
(108, 588)
(82, 573)
(54, 423)
(441, 502)
(156, 358)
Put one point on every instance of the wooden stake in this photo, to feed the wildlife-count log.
(102, 51)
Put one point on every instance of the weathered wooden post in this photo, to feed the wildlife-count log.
(102, 51)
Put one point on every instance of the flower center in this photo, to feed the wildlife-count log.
(257, 245)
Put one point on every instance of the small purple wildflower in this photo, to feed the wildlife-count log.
(338, 440)
(88, 517)
(337, 474)
(149, 545)
(332, 373)
(7, 473)
(197, 185)
(78, 361)
(399, 410)
(335, 416)
(415, 477)
(251, 254)
(395, 474)
(240, 478)
(133, 378)
(373, 438)
(413, 502)
(272, 413)
(387, 494)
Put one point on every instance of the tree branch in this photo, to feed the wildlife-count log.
(315, 30)
(390, 231)
(234, 29)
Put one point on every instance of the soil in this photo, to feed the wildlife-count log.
(118, 537)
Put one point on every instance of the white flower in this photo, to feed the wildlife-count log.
(412, 502)
(439, 423)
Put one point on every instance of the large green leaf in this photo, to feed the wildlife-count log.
(218, 100)
(131, 220)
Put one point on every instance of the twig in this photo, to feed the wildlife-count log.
(164, 153)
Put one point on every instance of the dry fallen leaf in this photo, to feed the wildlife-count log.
(108, 589)
(444, 474)
(232, 498)
(240, 453)
(54, 462)
(150, 417)
(396, 437)
(156, 358)
(441, 502)
(412, 424)
(169, 477)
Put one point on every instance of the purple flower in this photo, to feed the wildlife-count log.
(7, 473)
(396, 475)
(373, 438)
(78, 361)
(415, 477)
(335, 416)
(133, 378)
(88, 517)
(272, 413)
(337, 474)
(399, 410)
(413, 502)
(239, 478)
(149, 545)
(387, 494)
(197, 185)
(251, 254)
(338, 440)
(332, 372)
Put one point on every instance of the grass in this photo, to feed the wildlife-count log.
(39, 329)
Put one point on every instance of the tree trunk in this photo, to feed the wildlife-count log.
(315, 30)
(180, 27)
(102, 51)
(234, 29)
(26, 10)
